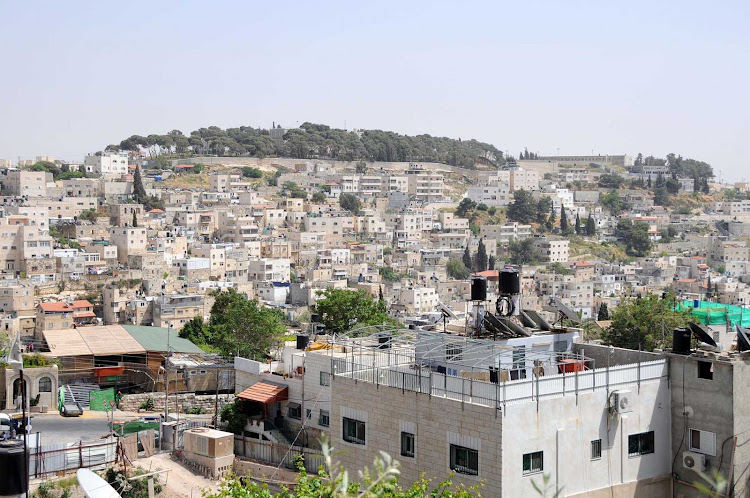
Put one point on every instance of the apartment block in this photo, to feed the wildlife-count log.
(107, 163)
(19, 182)
(552, 250)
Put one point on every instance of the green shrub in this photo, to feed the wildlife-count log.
(148, 404)
(45, 489)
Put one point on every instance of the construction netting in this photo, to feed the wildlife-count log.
(99, 401)
(717, 313)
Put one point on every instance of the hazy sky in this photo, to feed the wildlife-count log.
(612, 77)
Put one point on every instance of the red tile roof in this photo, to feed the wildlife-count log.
(264, 393)
(488, 273)
(63, 307)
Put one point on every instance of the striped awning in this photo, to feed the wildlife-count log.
(265, 393)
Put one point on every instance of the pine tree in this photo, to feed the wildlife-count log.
(481, 257)
(139, 192)
(466, 259)
(578, 225)
(649, 181)
(135, 220)
(696, 184)
(590, 226)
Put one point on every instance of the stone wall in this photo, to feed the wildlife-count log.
(338, 166)
(132, 402)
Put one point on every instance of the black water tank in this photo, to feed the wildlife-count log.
(314, 318)
(13, 482)
(478, 289)
(494, 377)
(412, 326)
(510, 282)
(681, 340)
(302, 341)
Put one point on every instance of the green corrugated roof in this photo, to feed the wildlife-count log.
(155, 339)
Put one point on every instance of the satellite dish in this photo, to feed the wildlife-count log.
(565, 311)
(446, 311)
(743, 343)
(94, 486)
(702, 334)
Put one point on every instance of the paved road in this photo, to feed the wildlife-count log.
(57, 429)
(89, 426)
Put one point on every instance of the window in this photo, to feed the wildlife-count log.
(702, 442)
(407, 444)
(519, 363)
(294, 411)
(641, 444)
(324, 419)
(354, 431)
(45, 385)
(706, 370)
(325, 379)
(464, 460)
(596, 449)
(453, 352)
(533, 462)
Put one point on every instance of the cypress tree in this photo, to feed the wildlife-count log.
(135, 220)
(563, 221)
(139, 192)
(578, 225)
(551, 219)
(603, 312)
(466, 259)
(590, 226)
(481, 257)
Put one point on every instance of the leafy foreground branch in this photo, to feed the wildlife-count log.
(332, 481)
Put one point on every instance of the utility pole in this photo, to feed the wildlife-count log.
(166, 375)
(216, 401)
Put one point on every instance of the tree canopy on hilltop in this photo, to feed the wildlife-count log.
(311, 141)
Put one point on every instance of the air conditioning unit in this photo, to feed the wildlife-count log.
(694, 461)
(622, 402)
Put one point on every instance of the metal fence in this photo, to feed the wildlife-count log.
(480, 392)
(283, 455)
(52, 459)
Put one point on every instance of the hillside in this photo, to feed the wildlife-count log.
(311, 141)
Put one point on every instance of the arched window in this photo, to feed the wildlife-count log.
(45, 385)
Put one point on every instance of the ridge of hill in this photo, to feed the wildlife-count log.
(316, 141)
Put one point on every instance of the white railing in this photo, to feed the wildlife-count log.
(481, 392)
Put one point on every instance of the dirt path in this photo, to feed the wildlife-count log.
(180, 481)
